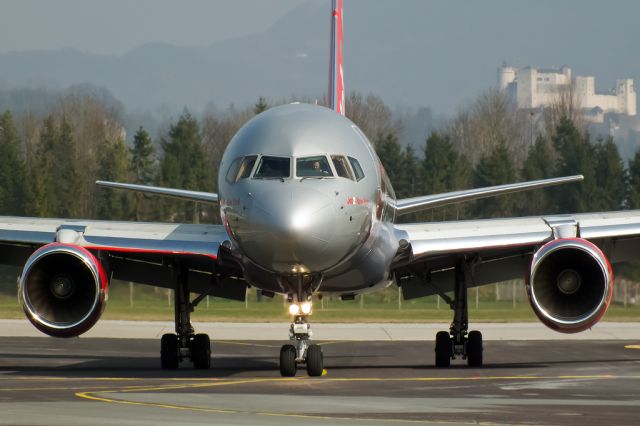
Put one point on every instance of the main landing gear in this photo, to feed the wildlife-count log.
(456, 341)
(299, 351)
(184, 344)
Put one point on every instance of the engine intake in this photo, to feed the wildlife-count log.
(570, 284)
(63, 290)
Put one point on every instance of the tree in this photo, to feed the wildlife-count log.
(260, 106)
(113, 165)
(184, 165)
(371, 115)
(388, 149)
(143, 170)
(633, 197)
(53, 185)
(443, 170)
(495, 168)
(409, 179)
(492, 119)
(575, 156)
(12, 168)
(610, 176)
(540, 164)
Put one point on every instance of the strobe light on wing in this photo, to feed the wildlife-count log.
(63, 290)
(570, 284)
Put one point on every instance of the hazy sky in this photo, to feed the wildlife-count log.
(438, 53)
(116, 26)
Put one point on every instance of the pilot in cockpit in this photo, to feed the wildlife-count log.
(318, 170)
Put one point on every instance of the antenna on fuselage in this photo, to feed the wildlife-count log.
(336, 76)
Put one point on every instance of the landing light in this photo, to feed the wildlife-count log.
(294, 309)
(304, 308)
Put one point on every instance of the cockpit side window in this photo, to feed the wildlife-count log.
(241, 168)
(273, 168)
(357, 169)
(233, 170)
(342, 167)
(316, 166)
(246, 167)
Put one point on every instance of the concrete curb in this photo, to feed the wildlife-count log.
(341, 332)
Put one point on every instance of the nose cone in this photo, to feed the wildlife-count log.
(293, 229)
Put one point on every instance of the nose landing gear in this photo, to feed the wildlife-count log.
(299, 351)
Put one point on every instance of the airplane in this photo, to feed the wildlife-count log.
(307, 209)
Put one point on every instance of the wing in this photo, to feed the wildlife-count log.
(502, 249)
(138, 252)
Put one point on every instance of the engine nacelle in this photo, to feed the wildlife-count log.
(570, 284)
(63, 290)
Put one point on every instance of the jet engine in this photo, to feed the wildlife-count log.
(63, 290)
(570, 284)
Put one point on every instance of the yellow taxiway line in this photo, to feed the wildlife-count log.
(93, 394)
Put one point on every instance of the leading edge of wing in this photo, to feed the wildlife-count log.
(203, 239)
(415, 204)
(206, 197)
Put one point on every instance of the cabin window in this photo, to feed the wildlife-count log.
(316, 166)
(357, 170)
(241, 168)
(273, 168)
(342, 166)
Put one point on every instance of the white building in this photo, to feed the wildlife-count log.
(536, 88)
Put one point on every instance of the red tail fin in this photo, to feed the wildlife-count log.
(336, 77)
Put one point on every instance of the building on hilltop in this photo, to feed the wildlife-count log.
(538, 88)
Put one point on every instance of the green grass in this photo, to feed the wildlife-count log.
(153, 304)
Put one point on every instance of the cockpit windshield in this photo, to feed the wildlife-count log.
(241, 168)
(273, 168)
(316, 166)
(342, 166)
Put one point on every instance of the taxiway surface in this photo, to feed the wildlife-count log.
(103, 381)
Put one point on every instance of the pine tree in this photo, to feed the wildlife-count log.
(409, 179)
(444, 170)
(53, 183)
(113, 165)
(65, 183)
(143, 170)
(12, 168)
(610, 176)
(633, 196)
(539, 164)
(260, 106)
(575, 156)
(495, 168)
(388, 150)
(184, 165)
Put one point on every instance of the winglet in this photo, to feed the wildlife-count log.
(336, 76)
(206, 197)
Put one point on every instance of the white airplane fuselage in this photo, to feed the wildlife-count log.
(305, 200)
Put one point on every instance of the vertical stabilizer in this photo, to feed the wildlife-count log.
(336, 77)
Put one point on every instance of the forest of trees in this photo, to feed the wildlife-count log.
(51, 158)
(50, 161)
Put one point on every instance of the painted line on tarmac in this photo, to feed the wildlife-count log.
(92, 395)
(632, 347)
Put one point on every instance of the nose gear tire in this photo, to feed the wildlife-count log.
(288, 365)
(315, 362)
